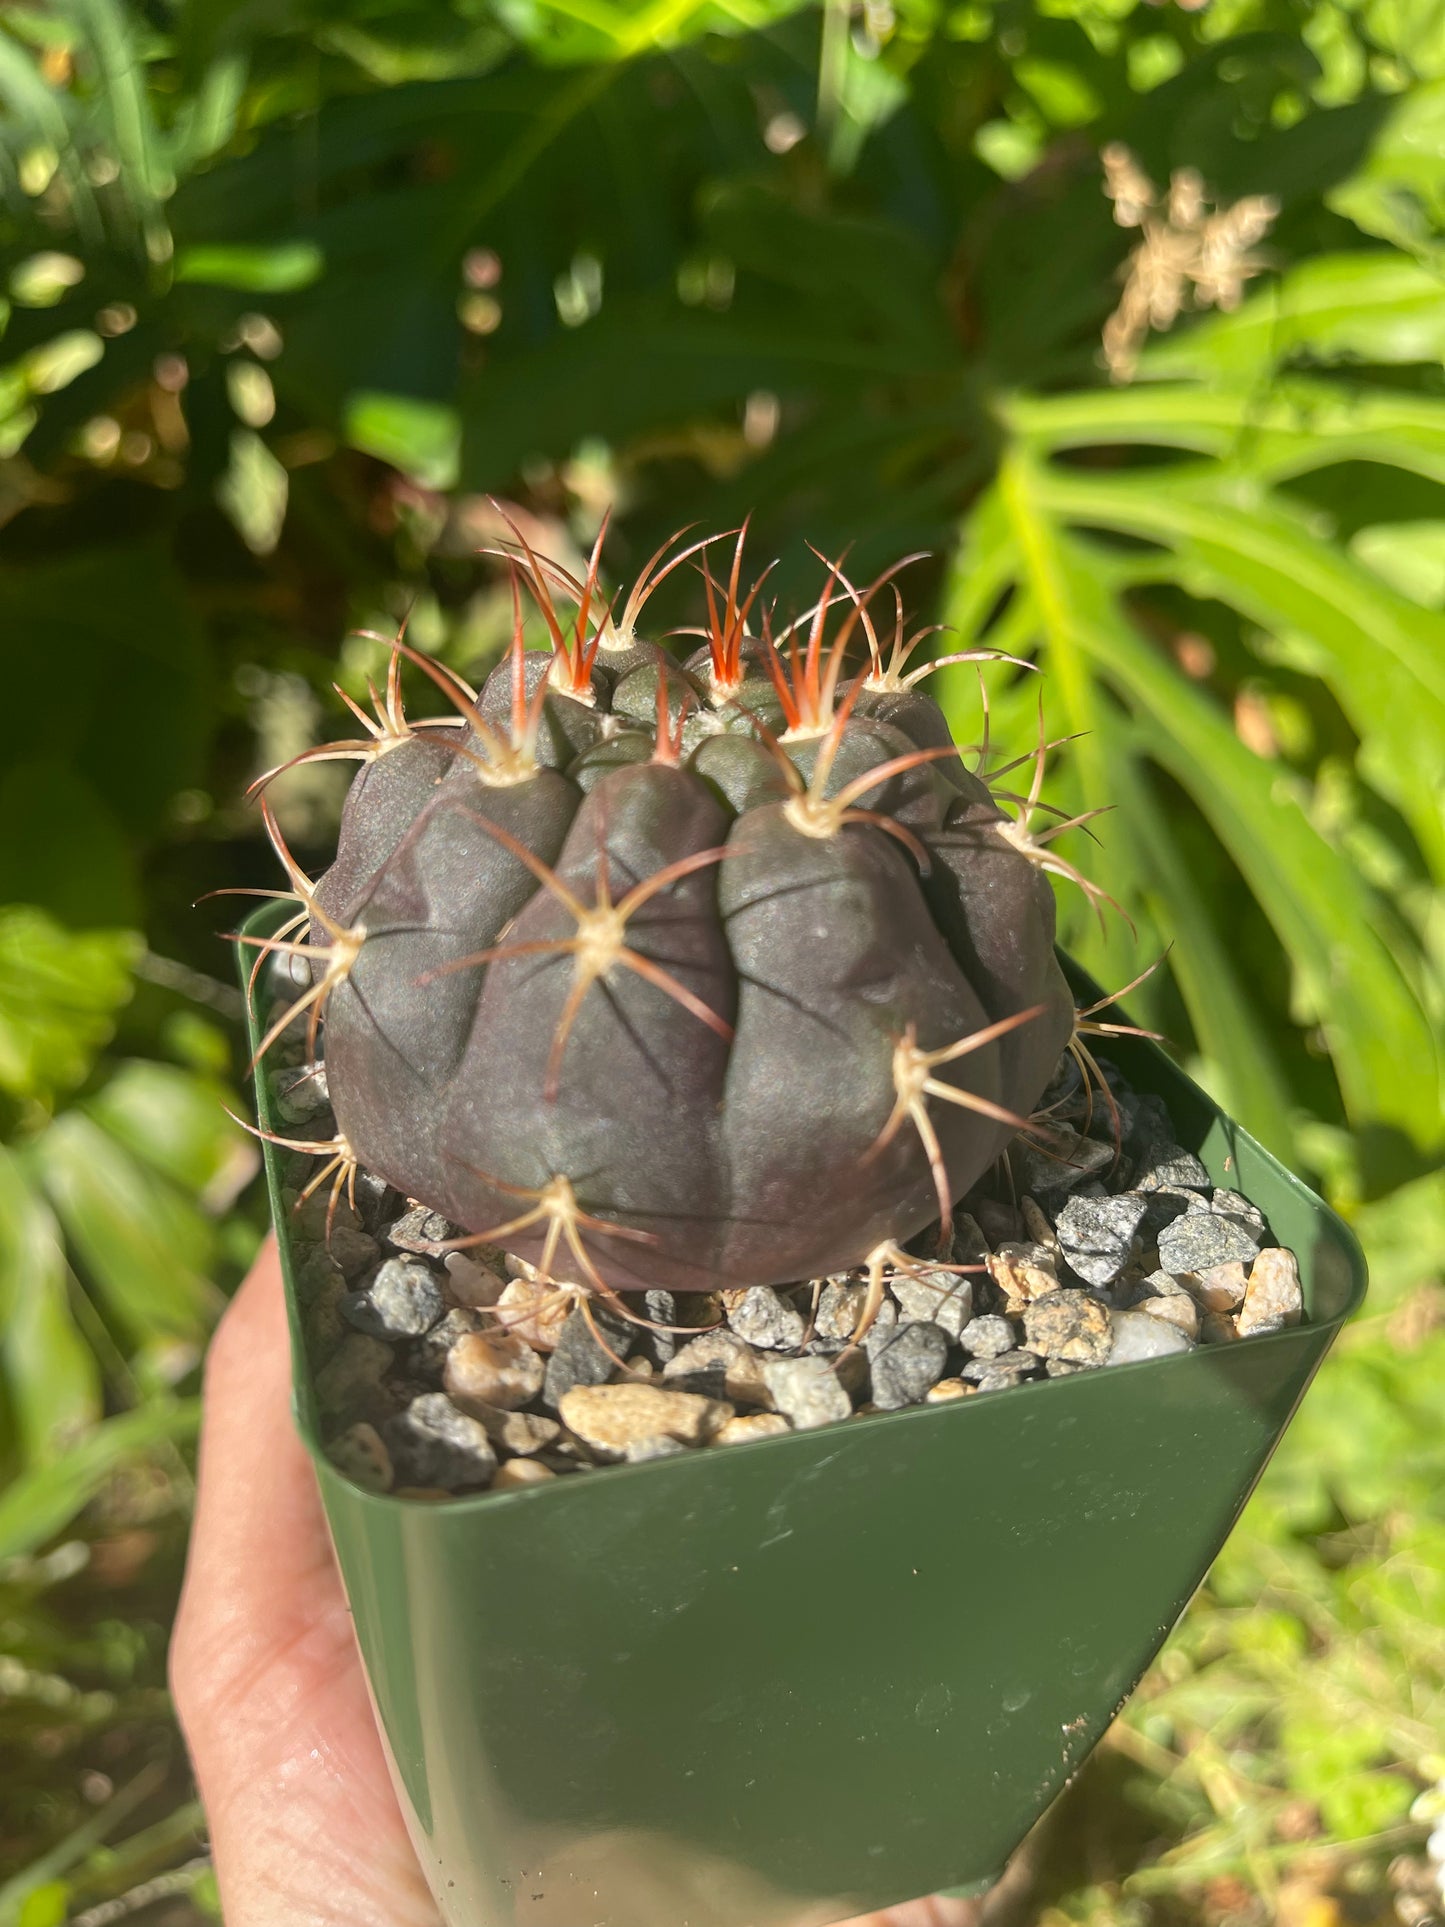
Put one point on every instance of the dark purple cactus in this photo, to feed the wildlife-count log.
(695, 975)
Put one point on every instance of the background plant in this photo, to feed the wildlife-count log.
(292, 289)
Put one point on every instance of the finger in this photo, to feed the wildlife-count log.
(268, 1685)
(932, 1911)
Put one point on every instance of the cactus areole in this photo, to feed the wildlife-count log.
(684, 974)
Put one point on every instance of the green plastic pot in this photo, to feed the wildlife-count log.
(796, 1680)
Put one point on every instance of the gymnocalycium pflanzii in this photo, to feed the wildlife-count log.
(682, 974)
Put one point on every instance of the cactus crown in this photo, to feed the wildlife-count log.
(687, 974)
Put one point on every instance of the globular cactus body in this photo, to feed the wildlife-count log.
(686, 975)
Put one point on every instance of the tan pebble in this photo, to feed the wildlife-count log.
(534, 1313)
(1019, 1279)
(750, 1425)
(360, 1453)
(1173, 1308)
(492, 1368)
(948, 1389)
(429, 1494)
(1273, 1298)
(1037, 1225)
(517, 1472)
(1221, 1288)
(609, 1418)
(725, 1352)
(1217, 1328)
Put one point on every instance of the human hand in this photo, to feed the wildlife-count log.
(305, 1826)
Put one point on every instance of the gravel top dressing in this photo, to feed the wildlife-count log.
(437, 1371)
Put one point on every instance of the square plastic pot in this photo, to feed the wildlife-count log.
(792, 1681)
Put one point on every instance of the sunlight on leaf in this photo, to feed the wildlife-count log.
(59, 991)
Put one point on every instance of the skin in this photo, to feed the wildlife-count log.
(305, 1827)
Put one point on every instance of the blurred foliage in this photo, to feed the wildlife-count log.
(292, 288)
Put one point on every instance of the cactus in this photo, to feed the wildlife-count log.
(698, 974)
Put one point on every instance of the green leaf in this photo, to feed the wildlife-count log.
(1399, 193)
(254, 492)
(41, 1503)
(47, 1906)
(1383, 656)
(421, 438)
(1327, 919)
(51, 1379)
(173, 1120)
(144, 1246)
(1290, 428)
(1380, 307)
(117, 682)
(1063, 600)
(59, 992)
(1409, 555)
(577, 31)
(1357, 1805)
(281, 268)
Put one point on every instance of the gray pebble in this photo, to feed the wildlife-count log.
(372, 1195)
(1136, 1335)
(403, 1300)
(354, 1251)
(1007, 1366)
(322, 1317)
(579, 1359)
(1164, 1206)
(434, 1444)
(1069, 1325)
(470, 1283)
(1201, 1239)
(906, 1364)
(987, 1337)
(348, 1385)
(429, 1352)
(1172, 1168)
(761, 1316)
(840, 1306)
(969, 1246)
(1001, 1381)
(661, 1308)
(1050, 1174)
(997, 1221)
(1097, 1234)
(806, 1390)
(420, 1229)
(521, 1432)
(934, 1296)
(1147, 1125)
(1230, 1204)
(300, 1092)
